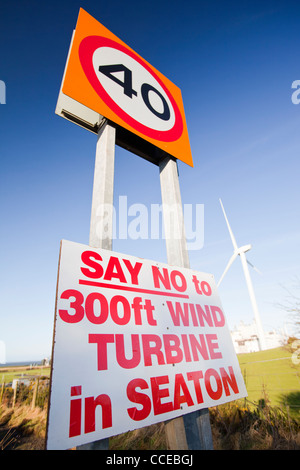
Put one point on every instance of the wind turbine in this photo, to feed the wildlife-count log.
(241, 252)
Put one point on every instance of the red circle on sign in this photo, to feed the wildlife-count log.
(86, 50)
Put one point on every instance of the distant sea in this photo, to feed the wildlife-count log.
(21, 363)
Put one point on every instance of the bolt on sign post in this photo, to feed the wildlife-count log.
(159, 329)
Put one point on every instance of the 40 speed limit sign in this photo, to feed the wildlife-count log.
(108, 77)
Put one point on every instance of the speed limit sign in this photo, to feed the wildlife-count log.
(108, 77)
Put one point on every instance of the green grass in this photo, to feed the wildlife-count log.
(267, 419)
(271, 375)
(8, 376)
(268, 374)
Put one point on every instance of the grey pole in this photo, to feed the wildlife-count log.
(101, 228)
(193, 430)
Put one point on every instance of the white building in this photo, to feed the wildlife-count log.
(245, 339)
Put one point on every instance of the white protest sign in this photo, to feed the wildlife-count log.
(135, 342)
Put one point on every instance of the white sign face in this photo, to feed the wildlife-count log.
(130, 88)
(135, 342)
(133, 88)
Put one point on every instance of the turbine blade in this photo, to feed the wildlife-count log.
(227, 267)
(252, 265)
(229, 228)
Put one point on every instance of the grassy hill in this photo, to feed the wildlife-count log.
(272, 375)
(7, 374)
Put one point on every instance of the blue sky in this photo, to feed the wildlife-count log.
(235, 63)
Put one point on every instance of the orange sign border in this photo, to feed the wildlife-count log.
(77, 86)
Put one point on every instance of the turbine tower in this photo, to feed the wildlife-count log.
(241, 252)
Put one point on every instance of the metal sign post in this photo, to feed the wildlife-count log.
(102, 210)
(193, 430)
(103, 189)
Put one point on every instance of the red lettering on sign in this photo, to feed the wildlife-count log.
(213, 382)
(186, 348)
(121, 315)
(139, 398)
(212, 345)
(87, 258)
(173, 352)
(149, 311)
(114, 268)
(214, 394)
(75, 413)
(179, 314)
(76, 305)
(97, 309)
(101, 341)
(229, 380)
(212, 316)
(133, 270)
(170, 349)
(90, 308)
(89, 412)
(120, 352)
(185, 396)
(174, 276)
(218, 316)
(158, 393)
(137, 307)
(164, 278)
(202, 287)
(155, 349)
(159, 276)
(195, 377)
(204, 315)
(198, 345)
